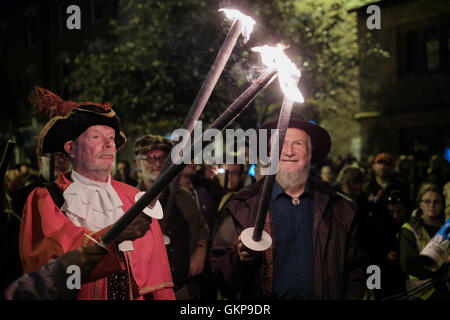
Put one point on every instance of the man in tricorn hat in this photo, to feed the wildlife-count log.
(314, 253)
(88, 201)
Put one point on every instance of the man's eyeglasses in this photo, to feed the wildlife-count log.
(429, 202)
(153, 159)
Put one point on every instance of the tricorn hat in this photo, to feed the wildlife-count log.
(320, 139)
(70, 119)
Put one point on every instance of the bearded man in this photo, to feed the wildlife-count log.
(186, 231)
(87, 201)
(314, 254)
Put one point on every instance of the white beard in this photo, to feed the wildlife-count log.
(149, 177)
(294, 180)
(96, 166)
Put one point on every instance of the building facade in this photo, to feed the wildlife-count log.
(35, 42)
(405, 99)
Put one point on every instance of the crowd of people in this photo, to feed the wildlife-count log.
(396, 216)
(328, 221)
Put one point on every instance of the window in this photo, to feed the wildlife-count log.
(32, 33)
(432, 50)
(412, 52)
(426, 49)
(96, 11)
(2, 41)
(62, 18)
(448, 47)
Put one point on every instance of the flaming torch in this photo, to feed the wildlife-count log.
(256, 238)
(242, 24)
(228, 116)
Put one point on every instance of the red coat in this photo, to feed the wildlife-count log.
(46, 233)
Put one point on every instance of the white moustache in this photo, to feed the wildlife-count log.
(106, 154)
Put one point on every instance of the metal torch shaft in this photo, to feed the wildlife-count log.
(233, 111)
(210, 82)
(282, 125)
(213, 76)
(200, 102)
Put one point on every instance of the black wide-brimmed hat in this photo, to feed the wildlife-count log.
(320, 139)
(70, 119)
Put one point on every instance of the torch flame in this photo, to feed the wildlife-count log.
(288, 74)
(246, 21)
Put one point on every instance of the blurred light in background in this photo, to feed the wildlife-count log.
(251, 171)
(447, 154)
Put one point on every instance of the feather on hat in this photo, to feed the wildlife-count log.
(70, 119)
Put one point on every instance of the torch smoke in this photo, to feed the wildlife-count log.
(246, 21)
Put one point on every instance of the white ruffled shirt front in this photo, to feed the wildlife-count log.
(93, 205)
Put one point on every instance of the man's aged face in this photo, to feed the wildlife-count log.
(295, 159)
(150, 164)
(295, 154)
(95, 149)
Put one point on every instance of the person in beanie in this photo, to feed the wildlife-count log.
(381, 184)
(185, 229)
(87, 201)
(153, 150)
(314, 253)
(377, 189)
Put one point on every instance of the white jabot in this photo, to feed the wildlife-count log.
(93, 205)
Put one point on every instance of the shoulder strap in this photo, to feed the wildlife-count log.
(345, 197)
(225, 199)
(422, 237)
(56, 194)
(407, 226)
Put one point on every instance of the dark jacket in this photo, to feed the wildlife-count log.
(10, 265)
(338, 265)
(48, 283)
(184, 226)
